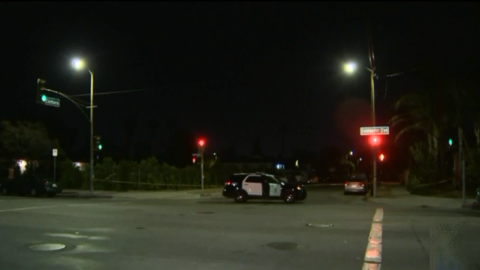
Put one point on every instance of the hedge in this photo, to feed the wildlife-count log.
(149, 174)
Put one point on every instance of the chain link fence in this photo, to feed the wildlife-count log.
(149, 174)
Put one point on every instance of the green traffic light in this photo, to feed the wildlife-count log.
(100, 147)
(44, 98)
(450, 142)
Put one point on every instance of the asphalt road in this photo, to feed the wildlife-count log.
(215, 233)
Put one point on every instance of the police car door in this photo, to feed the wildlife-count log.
(253, 185)
(275, 188)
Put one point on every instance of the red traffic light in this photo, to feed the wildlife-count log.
(382, 157)
(194, 159)
(201, 142)
(374, 140)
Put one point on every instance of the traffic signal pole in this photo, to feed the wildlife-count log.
(201, 151)
(372, 86)
(201, 167)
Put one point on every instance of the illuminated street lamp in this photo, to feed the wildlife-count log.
(79, 64)
(350, 68)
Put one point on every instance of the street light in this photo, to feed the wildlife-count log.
(350, 68)
(79, 64)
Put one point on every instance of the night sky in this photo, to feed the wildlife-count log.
(228, 71)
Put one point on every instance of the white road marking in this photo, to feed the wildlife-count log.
(55, 206)
(77, 236)
(371, 266)
(373, 254)
(87, 204)
(27, 208)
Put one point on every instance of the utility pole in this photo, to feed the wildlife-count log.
(372, 93)
(91, 131)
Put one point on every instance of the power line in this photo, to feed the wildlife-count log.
(115, 92)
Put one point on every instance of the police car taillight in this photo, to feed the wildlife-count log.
(228, 182)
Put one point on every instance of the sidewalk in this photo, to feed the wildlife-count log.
(184, 194)
(399, 196)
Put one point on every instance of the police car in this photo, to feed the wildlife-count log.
(244, 186)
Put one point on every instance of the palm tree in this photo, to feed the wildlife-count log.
(433, 113)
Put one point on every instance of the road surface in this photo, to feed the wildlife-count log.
(217, 234)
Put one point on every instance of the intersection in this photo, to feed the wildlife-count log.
(215, 233)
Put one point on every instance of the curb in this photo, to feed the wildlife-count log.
(472, 205)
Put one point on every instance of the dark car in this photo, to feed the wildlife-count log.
(30, 185)
(244, 186)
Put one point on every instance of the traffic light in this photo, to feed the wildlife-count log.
(381, 157)
(450, 142)
(374, 141)
(201, 145)
(41, 97)
(98, 143)
(194, 159)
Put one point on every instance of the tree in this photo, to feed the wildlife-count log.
(432, 112)
(26, 140)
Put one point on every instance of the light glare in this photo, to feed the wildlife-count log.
(78, 63)
(350, 67)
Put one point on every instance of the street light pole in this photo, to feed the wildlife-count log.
(91, 130)
(350, 68)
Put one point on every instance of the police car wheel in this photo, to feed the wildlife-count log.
(289, 197)
(240, 196)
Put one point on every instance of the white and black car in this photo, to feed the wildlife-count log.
(244, 186)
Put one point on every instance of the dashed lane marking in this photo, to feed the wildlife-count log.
(56, 206)
(88, 204)
(27, 208)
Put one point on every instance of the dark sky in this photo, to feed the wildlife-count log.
(229, 71)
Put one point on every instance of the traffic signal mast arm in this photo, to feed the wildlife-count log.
(77, 103)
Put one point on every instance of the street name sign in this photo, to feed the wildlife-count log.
(381, 130)
(50, 101)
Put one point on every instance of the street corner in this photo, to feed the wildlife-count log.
(385, 191)
(471, 205)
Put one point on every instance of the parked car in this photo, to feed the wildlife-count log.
(30, 185)
(244, 186)
(357, 183)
